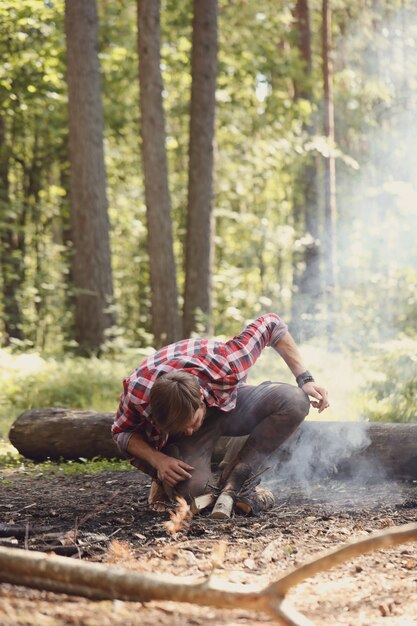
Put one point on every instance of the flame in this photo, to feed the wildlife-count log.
(179, 518)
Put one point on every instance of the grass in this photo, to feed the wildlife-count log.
(11, 462)
(29, 380)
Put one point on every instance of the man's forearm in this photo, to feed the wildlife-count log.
(288, 350)
(140, 449)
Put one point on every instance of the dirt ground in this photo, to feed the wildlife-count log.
(108, 517)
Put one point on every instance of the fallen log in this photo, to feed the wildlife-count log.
(317, 449)
(100, 582)
(53, 433)
(370, 451)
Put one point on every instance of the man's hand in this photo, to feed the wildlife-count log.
(171, 470)
(319, 393)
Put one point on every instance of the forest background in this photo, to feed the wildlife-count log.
(308, 191)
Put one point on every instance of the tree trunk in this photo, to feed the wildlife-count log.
(200, 223)
(306, 257)
(11, 249)
(91, 271)
(316, 450)
(330, 172)
(165, 314)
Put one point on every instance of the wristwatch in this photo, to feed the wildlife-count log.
(304, 378)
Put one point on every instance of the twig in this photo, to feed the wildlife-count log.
(249, 483)
(76, 525)
(27, 536)
(19, 531)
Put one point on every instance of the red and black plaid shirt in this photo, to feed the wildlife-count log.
(219, 367)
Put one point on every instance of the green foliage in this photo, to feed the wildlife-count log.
(29, 380)
(390, 395)
(33, 109)
(260, 143)
(12, 463)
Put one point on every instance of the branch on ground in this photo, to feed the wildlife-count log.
(100, 582)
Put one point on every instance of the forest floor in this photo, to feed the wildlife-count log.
(108, 516)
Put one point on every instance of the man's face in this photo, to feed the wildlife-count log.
(196, 421)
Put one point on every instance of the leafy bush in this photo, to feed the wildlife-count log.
(32, 381)
(390, 394)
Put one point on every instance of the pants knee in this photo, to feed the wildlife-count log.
(301, 404)
(194, 487)
(294, 403)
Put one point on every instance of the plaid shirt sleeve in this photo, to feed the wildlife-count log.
(244, 349)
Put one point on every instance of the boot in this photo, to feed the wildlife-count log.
(224, 504)
(255, 501)
(251, 501)
(238, 476)
(248, 464)
(243, 488)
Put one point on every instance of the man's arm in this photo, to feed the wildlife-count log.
(289, 351)
(169, 469)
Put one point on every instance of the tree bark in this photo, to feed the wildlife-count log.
(306, 256)
(330, 172)
(53, 433)
(91, 271)
(200, 222)
(337, 449)
(165, 313)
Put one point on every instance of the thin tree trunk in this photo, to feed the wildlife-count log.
(11, 250)
(165, 314)
(306, 257)
(330, 172)
(200, 223)
(92, 273)
(32, 187)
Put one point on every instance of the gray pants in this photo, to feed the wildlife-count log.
(268, 413)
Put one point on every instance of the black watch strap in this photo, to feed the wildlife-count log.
(304, 378)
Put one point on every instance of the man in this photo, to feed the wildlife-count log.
(184, 397)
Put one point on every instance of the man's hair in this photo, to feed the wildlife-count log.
(175, 397)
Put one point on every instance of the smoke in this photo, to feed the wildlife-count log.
(332, 464)
(376, 295)
(375, 125)
(322, 449)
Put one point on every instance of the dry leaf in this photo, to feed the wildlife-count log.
(119, 552)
